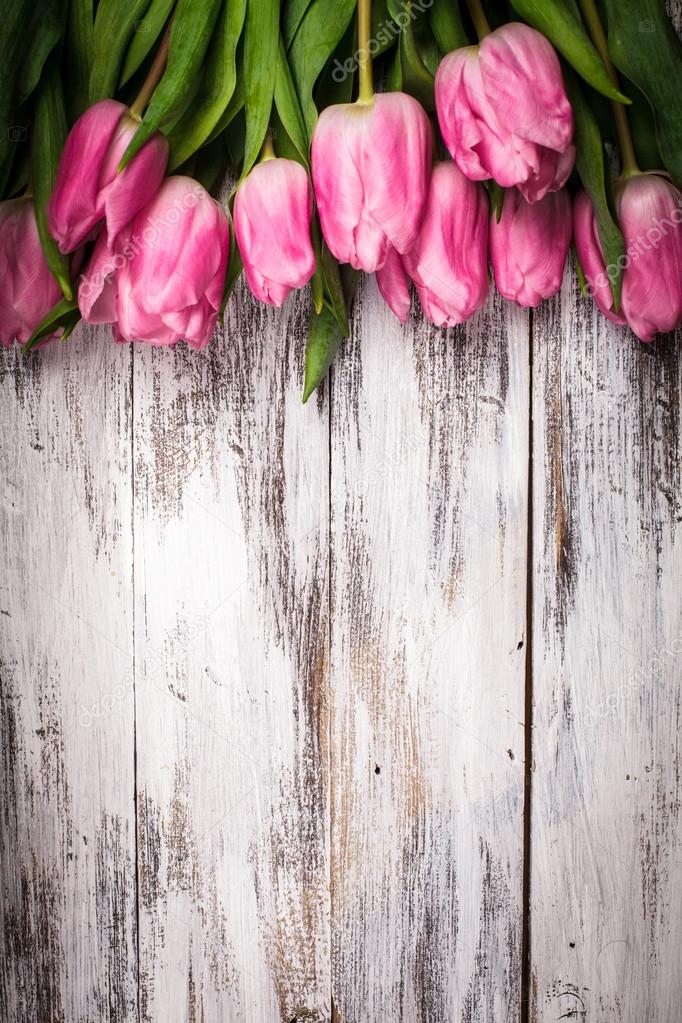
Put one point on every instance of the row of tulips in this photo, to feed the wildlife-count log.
(149, 251)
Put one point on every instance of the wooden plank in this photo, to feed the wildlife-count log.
(231, 548)
(606, 886)
(67, 839)
(429, 520)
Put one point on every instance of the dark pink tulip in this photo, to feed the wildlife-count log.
(272, 212)
(504, 114)
(27, 288)
(649, 211)
(394, 285)
(449, 263)
(371, 164)
(529, 245)
(89, 189)
(163, 278)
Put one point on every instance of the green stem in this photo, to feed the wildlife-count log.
(366, 91)
(268, 150)
(479, 19)
(152, 80)
(596, 30)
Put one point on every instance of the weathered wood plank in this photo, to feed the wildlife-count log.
(231, 545)
(67, 838)
(606, 891)
(429, 519)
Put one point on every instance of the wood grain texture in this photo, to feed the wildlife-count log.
(606, 884)
(67, 837)
(429, 516)
(231, 555)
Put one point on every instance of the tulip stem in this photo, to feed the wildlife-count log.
(366, 90)
(481, 23)
(267, 150)
(596, 30)
(152, 80)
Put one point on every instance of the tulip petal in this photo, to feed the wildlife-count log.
(394, 286)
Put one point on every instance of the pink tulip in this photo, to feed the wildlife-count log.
(504, 113)
(89, 188)
(649, 211)
(394, 285)
(272, 212)
(449, 263)
(27, 288)
(371, 164)
(529, 245)
(162, 280)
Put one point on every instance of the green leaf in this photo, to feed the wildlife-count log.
(234, 107)
(335, 81)
(64, 316)
(558, 21)
(643, 127)
(217, 87)
(14, 35)
(417, 80)
(115, 23)
(318, 36)
(234, 268)
(446, 25)
(147, 32)
(46, 30)
(324, 337)
(190, 38)
(80, 36)
(293, 14)
(644, 46)
(261, 43)
(47, 141)
(289, 109)
(596, 178)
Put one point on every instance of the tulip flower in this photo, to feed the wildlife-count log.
(162, 279)
(504, 114)
(89, 188)
(27, 288)
(529, 245)
(394, 285)
(449, 262)
(649, 209)
(272, 212)
(371, 162)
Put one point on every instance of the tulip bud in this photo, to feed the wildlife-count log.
(371, 164)
(449, 263)
(504, 114)
(162, 280)
(27, 288)
(529, 245)
(272, 212)
(89, 189)
(649, 209)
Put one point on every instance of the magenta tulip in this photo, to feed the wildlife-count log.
(272, 212)
(504, 113)
(394, 285)
(27, 288)
(89, 189)
(529, 245)
(449, 263)
(649, 210)
(371, 164)
(163, 278)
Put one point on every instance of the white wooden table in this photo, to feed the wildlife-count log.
(365, 711)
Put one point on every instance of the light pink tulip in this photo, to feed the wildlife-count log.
(162, 280)
(649, 211)
(272, 212)
(449, 263)
(529, 245)
(504, 114)
(27, 288)
(371, 164)
(394, 285)
(89, 189)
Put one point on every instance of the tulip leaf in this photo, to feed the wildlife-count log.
(147, 31)
(318, 36)
(217, 88)
(417, 80)
(47, 141)
(293, 14)
(446, 25)
(289, 109)
(644, 46)
(559, 21)
(235, 266)
(115, 23)
(190, 37)
(14, 35)
(235, 105)
(595, 175)
(79, 56)
(46, 30)
(261, 43)
(64, 316)
(324, 337)
(335, 83)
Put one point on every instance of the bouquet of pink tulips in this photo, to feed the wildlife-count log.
(430, 143)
